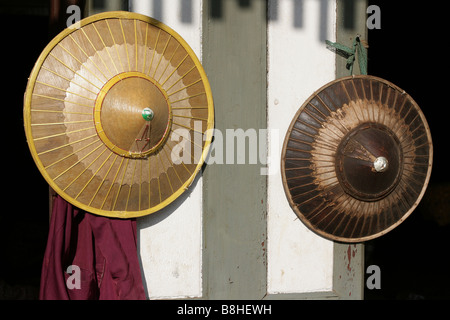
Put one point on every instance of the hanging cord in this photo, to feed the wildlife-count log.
(359, 49)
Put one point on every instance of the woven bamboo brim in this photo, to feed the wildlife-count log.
(356, 159)
(86, 114)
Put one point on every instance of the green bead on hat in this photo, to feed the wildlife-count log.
(148, 114)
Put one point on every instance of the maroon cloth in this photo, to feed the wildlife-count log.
(103, 248)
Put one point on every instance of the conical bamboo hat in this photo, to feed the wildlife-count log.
(117, 114)
(356, 159)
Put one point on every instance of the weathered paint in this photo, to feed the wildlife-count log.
(349, 276)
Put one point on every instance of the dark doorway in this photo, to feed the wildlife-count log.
(24, 218)
(410, 51)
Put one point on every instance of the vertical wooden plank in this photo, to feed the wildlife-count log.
(348, 273)
(351, 20)
(234, 195)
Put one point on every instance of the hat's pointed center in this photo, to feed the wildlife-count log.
(124, 120)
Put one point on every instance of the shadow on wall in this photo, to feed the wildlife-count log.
(216, 11)
(157, 7)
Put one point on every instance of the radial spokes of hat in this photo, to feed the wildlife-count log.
(106, 105)
(356, 159)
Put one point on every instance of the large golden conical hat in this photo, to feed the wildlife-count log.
(117, 114)
(356, 159)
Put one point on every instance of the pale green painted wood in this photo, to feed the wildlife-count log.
(348, 273)
(234, 206)
(351, 20)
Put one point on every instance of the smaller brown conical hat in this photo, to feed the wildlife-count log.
(356, 159)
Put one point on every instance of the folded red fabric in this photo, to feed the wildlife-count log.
(90, 257)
